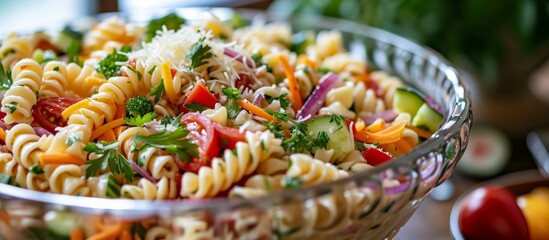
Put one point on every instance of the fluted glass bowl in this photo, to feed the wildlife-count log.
(362, 206)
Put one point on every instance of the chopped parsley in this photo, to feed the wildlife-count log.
(300, 42)
(72, 52)
(139, 121)
(199, 54)
(110, 65)
(107, 155)
(337, 119)
(72, 138)
(36, 169)
(151, 71)
(8, 179)
(233, 95)
(324, 71)
(283, 99)
(175, 142)
(5, 78)
(11, 106)
(172, 22)
(292, 182)
(167, 119)
(157, 90)
(321, 140)
(8, 52)
(196, 107)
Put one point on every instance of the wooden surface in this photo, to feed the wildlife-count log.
(432, 219)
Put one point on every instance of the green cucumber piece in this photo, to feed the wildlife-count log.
(63, 40)
(61, 223)
(339, 137)
(427, 117)
(407, 101)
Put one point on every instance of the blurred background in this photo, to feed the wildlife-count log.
(502, 48)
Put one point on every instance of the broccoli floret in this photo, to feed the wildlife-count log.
(167, 120)
(138, 107)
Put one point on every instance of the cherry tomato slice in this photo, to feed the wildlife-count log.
(228, 137)
(243, 80)
(47, 112)
(202, 131)
(492, 213)
(201, 95)
(375, 156)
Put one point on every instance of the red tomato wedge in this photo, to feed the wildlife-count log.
(492, 213)
(228, 137)
(202, 131)
(201, 95)
(211, 137)
(375, 156)
(47, 112)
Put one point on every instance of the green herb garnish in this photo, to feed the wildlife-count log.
(108, 156)
(233, 95)
(172, 22)
(199, 54)
(175, 142)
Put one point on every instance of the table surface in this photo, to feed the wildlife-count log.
(432, 219)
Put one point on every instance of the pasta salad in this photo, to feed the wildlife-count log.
(196, 110)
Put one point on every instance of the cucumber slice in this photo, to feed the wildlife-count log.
(61, 223)
(407, 101)
(339, 137)
(63, 40)
(427, 117)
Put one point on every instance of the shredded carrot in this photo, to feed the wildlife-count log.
(2, 134)
(110, 230)
(376, 126)
(421, 132)
(59, 158)
(107, 136)
(126, 235)
(309, 62)
(121, 111)
(256, 110)
(77, 234)
(4, 217)
(365, 77)
(103, 129)
(390, 134)
(168, 82)
(118, 130)
(295, 94)
(71, 109)
(403, 146)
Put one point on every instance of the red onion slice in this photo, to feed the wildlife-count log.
(40, 131)
(316, 100)
(232, 54)
(398, 189)
(432, 103)
(142, 171)
(258, 98)
(387, 116)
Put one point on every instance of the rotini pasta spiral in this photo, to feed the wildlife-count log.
(165, 188)
(224, 172)
(23, 94)
(111, 29)
(15, 48)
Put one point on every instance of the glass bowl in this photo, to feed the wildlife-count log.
(363, 205)
(518, 183)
